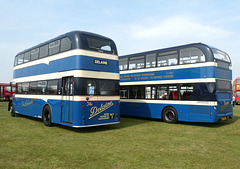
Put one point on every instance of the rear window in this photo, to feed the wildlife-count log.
(224, 85)
(99, 45)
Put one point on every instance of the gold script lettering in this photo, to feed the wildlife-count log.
(27, 103)
(95, 111)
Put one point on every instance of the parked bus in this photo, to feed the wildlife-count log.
(189, 83)
(72, 80)
(6, 91)
(236, 90)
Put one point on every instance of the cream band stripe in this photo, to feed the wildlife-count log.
(206, 64)
(47, 60)
(71, 98)
(208, 80)
(181, 102)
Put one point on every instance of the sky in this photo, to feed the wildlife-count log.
(134, 25)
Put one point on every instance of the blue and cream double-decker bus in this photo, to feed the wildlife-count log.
(184, 83)
(71, 80)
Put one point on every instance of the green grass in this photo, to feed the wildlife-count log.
(134, 143)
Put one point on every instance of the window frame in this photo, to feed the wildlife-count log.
(189, 61)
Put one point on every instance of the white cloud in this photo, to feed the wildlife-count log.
(177, 27)
(154, 34)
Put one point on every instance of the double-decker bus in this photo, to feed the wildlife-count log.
(72, 80)
(6, 91)
(189, 83)
(236, 90)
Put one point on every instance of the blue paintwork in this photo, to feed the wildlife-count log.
(191, 113)
(188, 113)
(176, 74)
(34, 107)
(77, 62)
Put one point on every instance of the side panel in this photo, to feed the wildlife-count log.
(173, 74)
(199, 113)
(28, 106)
(82, 115)
(193, 113)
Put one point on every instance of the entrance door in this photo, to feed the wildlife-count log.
(67, 99)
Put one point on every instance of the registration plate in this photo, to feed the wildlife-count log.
(224, 118)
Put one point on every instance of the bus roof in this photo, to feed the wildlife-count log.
(72, 34)
(205, 48)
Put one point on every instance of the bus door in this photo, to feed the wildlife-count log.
(91, 109)
(67, 99)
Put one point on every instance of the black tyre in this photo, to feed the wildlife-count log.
(170, 115)
(11, 109)
(47, 116)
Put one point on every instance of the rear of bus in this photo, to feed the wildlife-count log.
(72, 80)
(223, 74)
(100, 85)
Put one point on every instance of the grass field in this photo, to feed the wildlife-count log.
(134, 143)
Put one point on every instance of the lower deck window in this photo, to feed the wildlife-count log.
(77, 86)
(194, 92)
(97, 87)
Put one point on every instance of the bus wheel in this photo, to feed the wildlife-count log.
(47, 116)
(11, 109)
(170, 115)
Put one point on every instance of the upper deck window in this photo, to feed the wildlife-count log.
(151, 60)
(167, 58)
(136, 62)
(43, 51)
(191, 55)
(20, 59)
(66, 44)
(98, 44)
(54, 47)
(16, 61)
(34, 54)
(220, 55)
(26, 57)
(123, 64)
